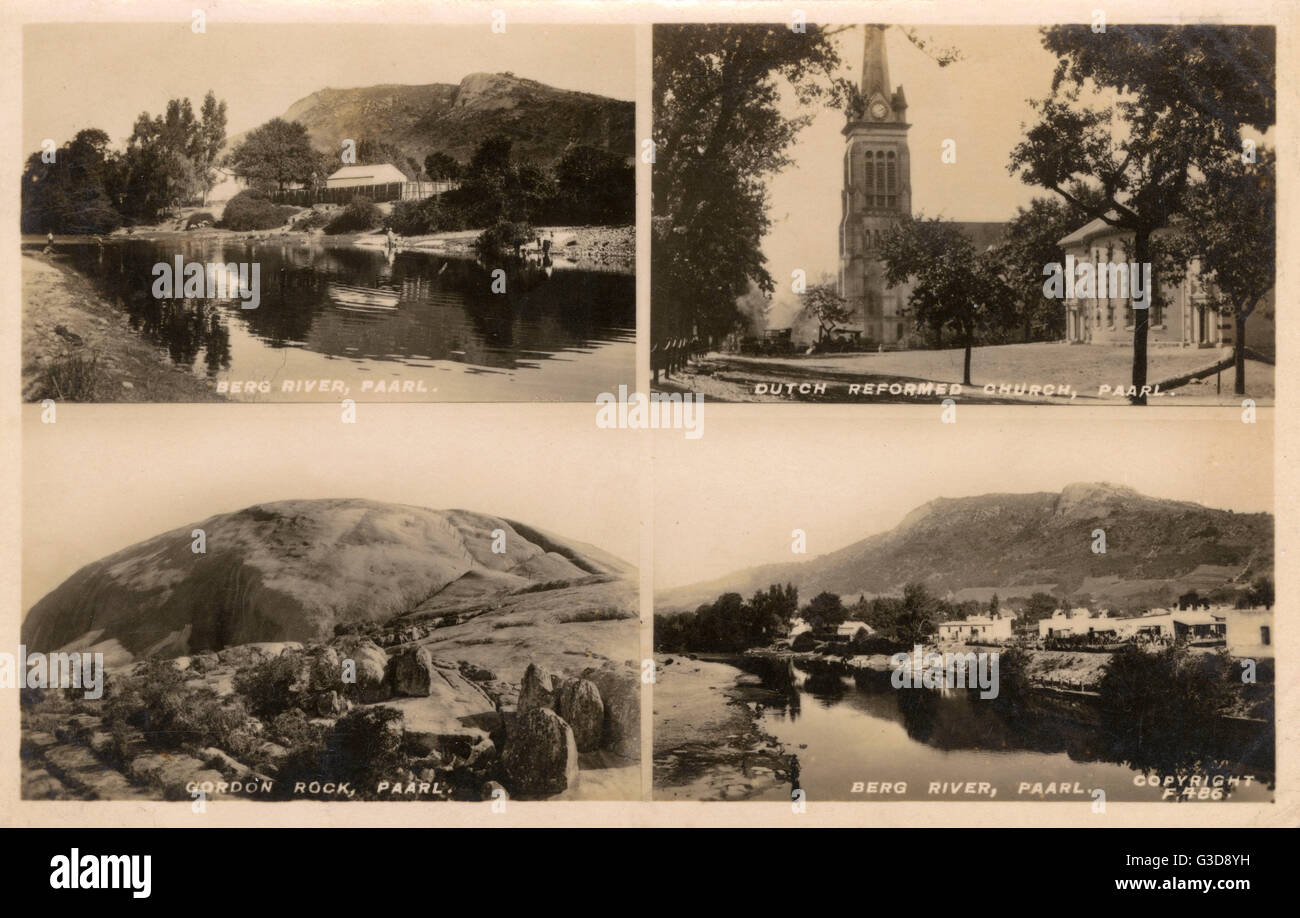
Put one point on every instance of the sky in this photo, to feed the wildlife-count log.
(100, 75)
(104, 477)
(730, 500)
(979, 101)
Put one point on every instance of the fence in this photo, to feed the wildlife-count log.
(389, 191)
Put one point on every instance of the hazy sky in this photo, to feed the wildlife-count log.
(979, 101)
(730, 499)
(97, 75)
(105, 477)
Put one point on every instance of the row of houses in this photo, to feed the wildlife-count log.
(1245, 632)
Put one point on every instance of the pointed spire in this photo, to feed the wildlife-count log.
(875, 65)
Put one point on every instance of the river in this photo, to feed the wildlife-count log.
(415, 326)
(849, 733)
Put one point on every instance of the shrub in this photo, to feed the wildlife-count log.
(361, 215)
(803, 641)
(312, 220)
(170, 713)
(415, 218)
(249, 210)
(503, 235)
(201, 217)
(272, 686)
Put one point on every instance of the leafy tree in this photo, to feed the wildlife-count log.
(1261, 593)
(825, 611)
(953, 286)
(915, 621)
(719, 132)
(441, 168)
(1163, 100)
(277, 154)
(211, 137)
(77, 193)
(823, 303)
(596, 186)
(1039, 606)
(1231, 229)
(1031, 243)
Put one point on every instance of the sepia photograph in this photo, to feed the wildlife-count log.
(287, 213)
(1072, 214)
(959, 616)
(302, 624)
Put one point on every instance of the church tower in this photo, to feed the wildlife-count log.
(877, 191)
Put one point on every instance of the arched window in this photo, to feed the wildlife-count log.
(880, 180)
(891, 182)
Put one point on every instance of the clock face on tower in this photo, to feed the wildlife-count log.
(879, 110)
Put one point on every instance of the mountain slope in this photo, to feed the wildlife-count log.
(291, 570)
(453, 119)
(1005, 540)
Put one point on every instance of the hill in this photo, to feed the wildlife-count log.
(1018, 543)
(455, 118)
(292, 570)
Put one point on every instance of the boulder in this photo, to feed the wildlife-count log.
(620, 691)
(578, 702)
(413, 673)
(537, 690)
(451, 718)
(541, 757)
(371, 669)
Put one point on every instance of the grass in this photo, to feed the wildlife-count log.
(70, 377)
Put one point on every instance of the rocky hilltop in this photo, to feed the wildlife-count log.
(293, 570)
(454, 118)
(343, 649)
(1031, 541)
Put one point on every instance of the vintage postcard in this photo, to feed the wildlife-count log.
(308, 626)
(993, 214)
(648, 414)
(376, 212)
(1023, 624)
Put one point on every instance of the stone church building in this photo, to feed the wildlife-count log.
(877, 192)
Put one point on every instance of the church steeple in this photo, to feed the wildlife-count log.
(875, 65)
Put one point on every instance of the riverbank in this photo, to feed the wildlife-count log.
(587, 248)
(707, 744)
(79, 348)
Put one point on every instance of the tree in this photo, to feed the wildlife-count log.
(825, 611)
(211, 138)
(595, 185)
(77, 193)
(441, 168)
(953, 286)
(1039, 606)
(1031, 243)
(824, 303)
(915, 621)
(1261, 593)
(719, 132)
(1230, 230)
(277, 153)
(1164, 100)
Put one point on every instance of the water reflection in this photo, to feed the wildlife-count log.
(846, 729)
(469, 331)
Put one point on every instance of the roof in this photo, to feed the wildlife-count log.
(381, 171)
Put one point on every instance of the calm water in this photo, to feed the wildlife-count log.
(358, 316)
(850, 733)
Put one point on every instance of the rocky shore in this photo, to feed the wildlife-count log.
(707, 744)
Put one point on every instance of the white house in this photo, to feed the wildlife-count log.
(850, 628)
(1249, 633)
(355, 176)
(1080, 621)
(976, 628)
